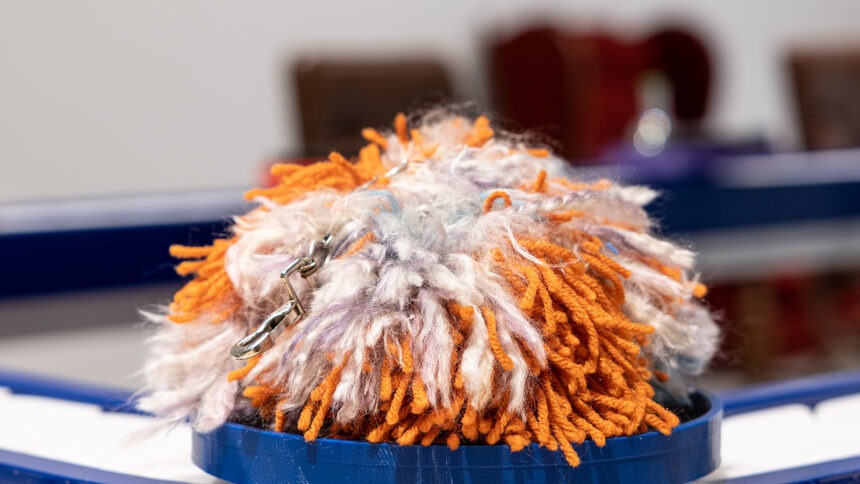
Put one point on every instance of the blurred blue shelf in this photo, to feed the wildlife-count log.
(708, 192)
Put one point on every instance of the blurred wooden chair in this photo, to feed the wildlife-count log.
(337, 99)
(826, 86)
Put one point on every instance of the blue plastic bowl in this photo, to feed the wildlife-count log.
(239, 453)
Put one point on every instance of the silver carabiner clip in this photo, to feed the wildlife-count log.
(274, 325)
(388, 174)
(316, 256)
(265, 335)
(290, 313)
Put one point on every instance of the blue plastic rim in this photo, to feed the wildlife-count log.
(238, 453)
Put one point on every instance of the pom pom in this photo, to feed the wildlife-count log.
(476, 290)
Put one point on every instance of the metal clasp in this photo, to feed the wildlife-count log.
(388, 174)
(290, 313)
(316, 257)
(265, 335)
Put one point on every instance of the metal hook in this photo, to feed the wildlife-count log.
(290, 313)
(388, 174)
(285, 277)
(317, 256)
(265, 335)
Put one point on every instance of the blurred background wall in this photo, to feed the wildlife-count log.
(105, 97)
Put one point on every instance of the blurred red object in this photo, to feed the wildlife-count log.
(582, 90)
(796, 327)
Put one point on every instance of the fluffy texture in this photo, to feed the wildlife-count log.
(484, 293)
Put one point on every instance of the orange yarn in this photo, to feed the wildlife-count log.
(540, 183)
(488, 203)
(538, 152)
(400, 128)
(373, 136)
(210, 291)
(240, 373)
(495, 345)
(481, 132)
(359, 244)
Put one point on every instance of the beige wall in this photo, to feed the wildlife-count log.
(101, 97)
